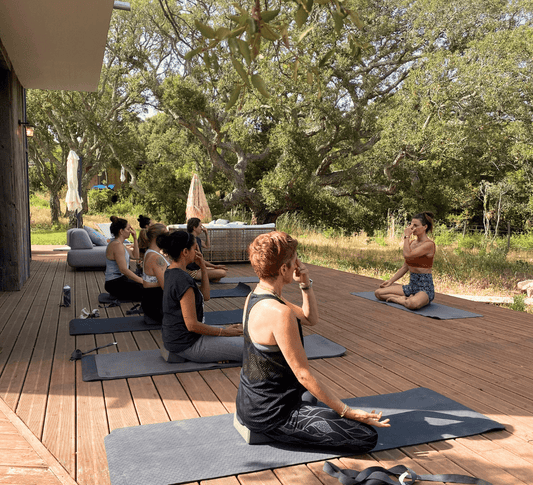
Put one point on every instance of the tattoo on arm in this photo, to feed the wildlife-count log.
(161, 262)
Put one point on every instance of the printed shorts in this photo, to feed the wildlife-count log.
(420, 282)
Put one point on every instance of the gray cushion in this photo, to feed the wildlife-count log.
(96, 238)
(79, 239)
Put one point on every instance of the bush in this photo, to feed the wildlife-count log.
(472, 241)
(444, 236)
(519, 304)
(99, 201)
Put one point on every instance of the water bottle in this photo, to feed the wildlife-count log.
(66, 295)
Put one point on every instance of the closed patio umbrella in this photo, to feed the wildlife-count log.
(73, 197)
(196, 201)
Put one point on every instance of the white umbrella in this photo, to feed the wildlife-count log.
(73, 197)
(196, 201)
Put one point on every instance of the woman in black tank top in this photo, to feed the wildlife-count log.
(278, 393)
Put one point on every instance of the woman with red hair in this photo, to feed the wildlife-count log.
(278, 394)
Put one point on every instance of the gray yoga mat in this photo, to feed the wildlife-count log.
(240, 290)
(237, 279)
(119, 365)
(90, 326)
(433, 310)
(206, 448)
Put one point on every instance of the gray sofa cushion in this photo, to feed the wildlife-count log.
(79, 239)
(96, 238)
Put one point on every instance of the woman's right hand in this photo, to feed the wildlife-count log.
(385, 284)
(233, 330)
(199, 258)
(373, 418)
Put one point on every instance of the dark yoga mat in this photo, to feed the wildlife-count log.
(107, 298)
(240, 290)
(89, 326)
(205, 448)
(433, 310)
(119, 365)
(237, 279)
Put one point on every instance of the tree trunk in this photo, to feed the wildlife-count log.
(264, 216)
(55, 207)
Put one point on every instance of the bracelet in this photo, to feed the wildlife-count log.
(345, 409)
(310, 285)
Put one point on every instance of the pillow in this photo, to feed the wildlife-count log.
(96, 238)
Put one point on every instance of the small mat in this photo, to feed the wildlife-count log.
(89, 326)
(433, 310)
(119, 365)
(237, 279)
(206, 448)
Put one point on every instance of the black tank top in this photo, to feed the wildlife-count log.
(268, 389)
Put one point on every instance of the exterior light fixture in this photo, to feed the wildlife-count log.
(29, 128)
(117, 5)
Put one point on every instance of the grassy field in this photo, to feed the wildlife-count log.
(486, 271)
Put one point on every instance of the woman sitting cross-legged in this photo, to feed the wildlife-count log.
(183, 331)
(154, 267)
(418, 254)
(215, 272)
(278, 392)
(120, 281)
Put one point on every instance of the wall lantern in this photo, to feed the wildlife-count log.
(29, 128)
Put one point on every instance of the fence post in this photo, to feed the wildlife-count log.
(508, 236)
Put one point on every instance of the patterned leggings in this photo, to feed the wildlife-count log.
(321, 426)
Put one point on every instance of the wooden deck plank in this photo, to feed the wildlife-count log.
(203, 398)
(32, 404)
(23, 458)
(14, 372)
(59, 422)
(91, 426)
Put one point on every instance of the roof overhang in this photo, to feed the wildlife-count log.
(56, 44)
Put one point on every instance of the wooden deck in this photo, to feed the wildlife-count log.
(484, 363)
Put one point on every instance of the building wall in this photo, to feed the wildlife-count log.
(15, 246)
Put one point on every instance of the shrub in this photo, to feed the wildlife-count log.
(472, 241)
(99, 201)
(519, 304)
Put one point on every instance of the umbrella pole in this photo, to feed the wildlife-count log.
(78, 214)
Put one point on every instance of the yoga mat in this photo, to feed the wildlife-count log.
(433, 310)
(240, 290)
(107, 298)
(206, 448)
(237, 279)
(89, 326)
(119, 365)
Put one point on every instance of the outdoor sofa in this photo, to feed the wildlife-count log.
(229, 241)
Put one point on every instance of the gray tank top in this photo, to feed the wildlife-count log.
(112, 271)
